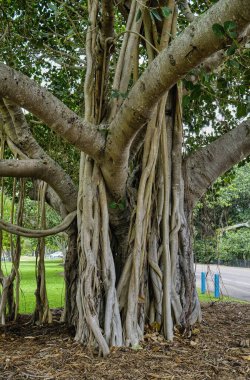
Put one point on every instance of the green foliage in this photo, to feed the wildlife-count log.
(121, 205)
(214, 102)
(231, 246)
(166, 12)
(218, 30)
(227, 204)
(235, 244)
(155, 15)
(228, 29)
(116, 94)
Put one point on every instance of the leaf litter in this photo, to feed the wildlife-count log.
(218, 349)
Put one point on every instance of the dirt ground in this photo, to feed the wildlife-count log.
(218, 349)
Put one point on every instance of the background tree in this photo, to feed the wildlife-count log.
(221, 219)
(133, 262)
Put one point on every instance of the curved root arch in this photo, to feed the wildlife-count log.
(27, 232)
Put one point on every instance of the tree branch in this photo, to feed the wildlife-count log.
(21, 140)
(189, 49)
(28, 94)
(186, 10)
(204, 166)
(234, 227)
(38, 169)
(107, 29)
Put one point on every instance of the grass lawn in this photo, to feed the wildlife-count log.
(210, 298)
(54, 279)
(55, 285)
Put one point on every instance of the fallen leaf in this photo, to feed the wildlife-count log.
(137, 347)
(196, 331)
(193, 343)
(246, 357)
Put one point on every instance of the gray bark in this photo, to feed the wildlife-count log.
(204, 166)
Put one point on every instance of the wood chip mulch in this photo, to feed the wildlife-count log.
(218, 349)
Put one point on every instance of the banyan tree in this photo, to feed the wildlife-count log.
(125, 77)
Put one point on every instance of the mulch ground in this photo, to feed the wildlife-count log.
(218, 349)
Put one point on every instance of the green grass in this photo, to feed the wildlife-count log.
(54, 283)
(209, 297)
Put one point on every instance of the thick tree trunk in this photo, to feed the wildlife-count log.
(147, 274)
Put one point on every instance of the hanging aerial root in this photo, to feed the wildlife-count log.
(26, 232)
(42, 312)
(99, 317)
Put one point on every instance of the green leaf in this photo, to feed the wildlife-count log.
(230, 28)
(123, 95)
(138, 16)
(218, 30)
(196, 92)
(137, 347)
(113, 205)
(53, 7)
(166, 12)
(186, 100)
(154, 14)
(122, 204)
(241, 110)
(232, 49)
(117, 94)
(230, 25)
(233, 63)
(221, 83)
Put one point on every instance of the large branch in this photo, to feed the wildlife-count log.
(234, 227)
(188, 50)
(28, 94)
(204, 166)
(37, 169)
(22, 142)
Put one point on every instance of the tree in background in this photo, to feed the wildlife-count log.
(121, 71)
(222, 217)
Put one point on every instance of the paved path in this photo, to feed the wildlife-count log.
(234, 282)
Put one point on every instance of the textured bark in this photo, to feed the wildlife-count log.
(70, 314)
(22, 143)
(187, 51)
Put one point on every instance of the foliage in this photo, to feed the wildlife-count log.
(226, 204)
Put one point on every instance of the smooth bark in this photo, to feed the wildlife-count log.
(204, 166)
(28, 94)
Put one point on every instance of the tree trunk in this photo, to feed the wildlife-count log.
(147, 274)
